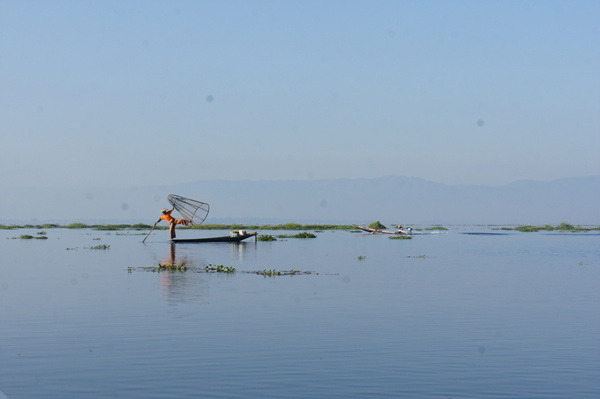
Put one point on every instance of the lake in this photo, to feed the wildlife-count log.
(443, 315)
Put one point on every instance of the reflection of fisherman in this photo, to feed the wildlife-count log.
(166, 215)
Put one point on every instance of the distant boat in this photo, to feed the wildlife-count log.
(377, 231)
(234, 236)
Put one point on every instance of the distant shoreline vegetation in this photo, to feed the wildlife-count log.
(288, 226)
(164, 226)
(561, 227)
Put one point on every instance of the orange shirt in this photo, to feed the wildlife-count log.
(167, 216)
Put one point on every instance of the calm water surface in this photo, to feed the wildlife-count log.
(477, 316)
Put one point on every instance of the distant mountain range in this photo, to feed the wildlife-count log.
(393, 200)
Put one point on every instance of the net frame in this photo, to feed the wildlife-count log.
(190, 209)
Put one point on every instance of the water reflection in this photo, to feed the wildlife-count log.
(241, 249)
(193, 284)
(177, 286)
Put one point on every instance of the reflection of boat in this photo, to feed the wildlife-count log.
(370, 230)
(234, 236)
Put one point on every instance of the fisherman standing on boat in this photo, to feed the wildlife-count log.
(166, 215)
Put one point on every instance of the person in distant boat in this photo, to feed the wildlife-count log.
(166, 215)
(399, 229)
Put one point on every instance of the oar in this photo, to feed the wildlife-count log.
(151, 230)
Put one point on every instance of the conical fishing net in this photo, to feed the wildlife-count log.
(190, 209)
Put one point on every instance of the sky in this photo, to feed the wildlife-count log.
(136, 93)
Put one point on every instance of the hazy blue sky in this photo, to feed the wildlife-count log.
(115, 93)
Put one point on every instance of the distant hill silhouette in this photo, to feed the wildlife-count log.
(392, 199)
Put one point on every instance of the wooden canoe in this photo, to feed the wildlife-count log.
(377, 231)
(229, 238)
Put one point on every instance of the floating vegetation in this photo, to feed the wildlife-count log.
(377, 225)
(299, 235)
(161, 267)
(400, 237)
(561, 227)
(362, 257)
(528, 228)
(172, 267)
(30, 237)
(101, 246)
(266, 237)
(220, 269)
(436, 228)
(418, 256)
(273, 272)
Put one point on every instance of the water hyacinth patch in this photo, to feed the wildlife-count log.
(220, 269)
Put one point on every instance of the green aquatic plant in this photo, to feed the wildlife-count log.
(400, 237)
(377, 225)
(362, 257)
(266, 237)
(299, 235)
(528, 228)
(101, 246)
(438, 228)
(29, 237)
(172, 267)
(220, 269)
(273, 272)
(565, 227)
